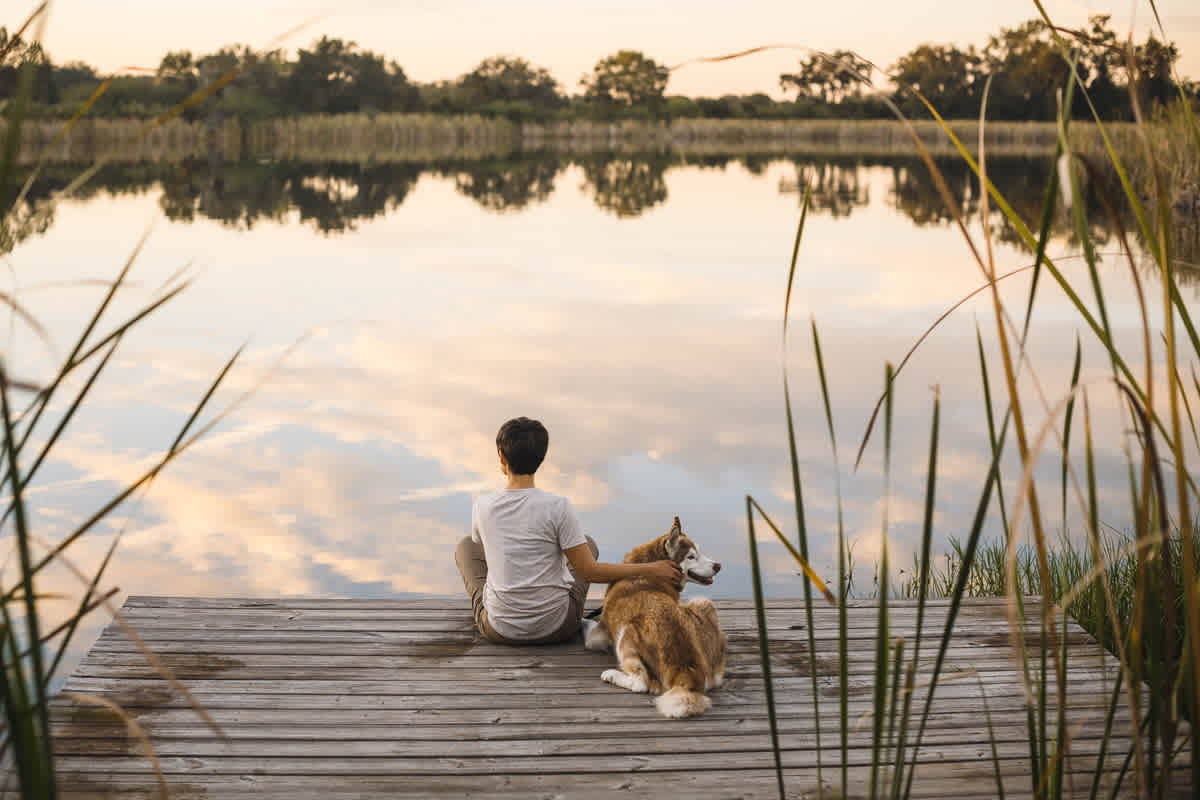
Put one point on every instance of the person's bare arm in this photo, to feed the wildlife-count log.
(593, 571)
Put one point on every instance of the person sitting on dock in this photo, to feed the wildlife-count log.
(527, 563)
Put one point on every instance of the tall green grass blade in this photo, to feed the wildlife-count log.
(764, 648)
(1043, 238)
(42, 768)
(891, 748)
(1098, 774)
(843, 660)
(1116, 789)
(1190, 117)
(787, 297)
(15, 697)
(1185, 317)
(902, 738)
(208, 395)
(927, 525)
(824, 390)
(1062, 742)
(1078, 210)
(882, 638)
(843, 653)
(1048, 207)
(987, 715)
(797, 492)
(805, 567)
(1174, 444)
(996, 444)
(1035, 723)
(923, 566)
(1188, 406)
(1066, 446)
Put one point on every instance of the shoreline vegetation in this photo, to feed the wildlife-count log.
(1071, 564)
(1022, 67)
(421, 137)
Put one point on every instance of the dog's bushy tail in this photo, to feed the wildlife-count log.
(679, 702)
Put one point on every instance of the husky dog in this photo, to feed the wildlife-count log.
(673, 650)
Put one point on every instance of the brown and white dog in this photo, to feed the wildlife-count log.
(671, 649)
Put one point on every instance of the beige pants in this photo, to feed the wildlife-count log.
(473, 566)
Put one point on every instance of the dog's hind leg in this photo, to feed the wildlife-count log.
(712, 637)
(719, 671)
(632, 675)
(595, 635)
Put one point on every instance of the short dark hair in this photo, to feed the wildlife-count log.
(523, 443)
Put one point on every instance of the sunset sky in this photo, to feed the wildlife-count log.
(442, 39)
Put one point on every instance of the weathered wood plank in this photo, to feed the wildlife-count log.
(947, 748)
(633, 708)
(391, 758)
(978, 635)
(959, 727)
(481, 654)
(517, 682)
(498, 722)
(733, 609)
(277, 667)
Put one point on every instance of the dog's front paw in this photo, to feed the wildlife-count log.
(634, 683)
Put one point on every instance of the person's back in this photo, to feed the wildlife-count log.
(524, 533)
(527, 563)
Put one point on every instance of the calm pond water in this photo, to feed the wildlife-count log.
(633, 305)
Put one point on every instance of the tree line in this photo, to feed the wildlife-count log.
(1024, 64)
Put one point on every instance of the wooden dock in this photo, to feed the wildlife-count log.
(337, 699)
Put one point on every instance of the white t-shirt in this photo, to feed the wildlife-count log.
(524, 533)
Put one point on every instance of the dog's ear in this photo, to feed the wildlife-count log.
(672, 542)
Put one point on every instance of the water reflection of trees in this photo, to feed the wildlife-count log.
(330, 197)
(334, 197)
(836, 186)
(508, 185)
(625, 185)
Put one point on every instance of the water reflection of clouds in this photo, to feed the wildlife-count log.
(649, 347)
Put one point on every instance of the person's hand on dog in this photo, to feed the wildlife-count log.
(666, 569)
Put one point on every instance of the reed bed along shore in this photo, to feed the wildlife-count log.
(1168, 146)
(1114, 560)
(416, 137)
